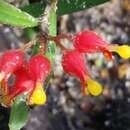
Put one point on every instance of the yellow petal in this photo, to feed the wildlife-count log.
(94, 87)
(123, 50)
(38, 96)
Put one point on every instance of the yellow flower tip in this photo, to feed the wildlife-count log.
(123, 51)
(94, 88)
(38, 96)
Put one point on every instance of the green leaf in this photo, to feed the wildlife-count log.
(64, 6)
(19, 113)
(35, 9)
(11, 15)
(70, 6)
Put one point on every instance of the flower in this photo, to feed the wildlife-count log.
(22, 84)
(28, 80)
(73, 63)
(9, 62)
(91, 42)
(39, 68)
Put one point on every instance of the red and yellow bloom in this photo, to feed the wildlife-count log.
(29, 77)
(73, 63)
(91, 42)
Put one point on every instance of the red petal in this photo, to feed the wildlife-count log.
(73, 63)
(10, 61)
(39, 67)
(23, 83)
(88, 41)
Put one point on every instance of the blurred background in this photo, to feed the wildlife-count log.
(66, 107)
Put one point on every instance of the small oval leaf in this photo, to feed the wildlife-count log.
(19, 113)
(11, 15)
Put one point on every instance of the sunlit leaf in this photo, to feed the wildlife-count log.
(11, 15)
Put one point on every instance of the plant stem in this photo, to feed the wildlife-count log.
(52, 29)
(52, 19)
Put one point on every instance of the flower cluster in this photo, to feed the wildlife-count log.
(73, 61)
(30, 76)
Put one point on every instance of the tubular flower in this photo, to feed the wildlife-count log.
(90, 42)
(39, 68)
(73, 63)
(28, 80)
(22, 84)
(9, 62)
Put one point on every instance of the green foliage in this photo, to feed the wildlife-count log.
(70, 6)
(63, 7)
(35, 9)
(9, 14)
(19, 113)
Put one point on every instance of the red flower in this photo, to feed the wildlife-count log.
(29, 79)
(73, 63)
(90, 42)
(9, 62)
(39, 68)
(22, 84)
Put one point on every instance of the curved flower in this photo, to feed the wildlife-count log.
(73, 63)
(28, 80)
(9, 62)
(22, 84)
(39, 68)
(90, 42)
